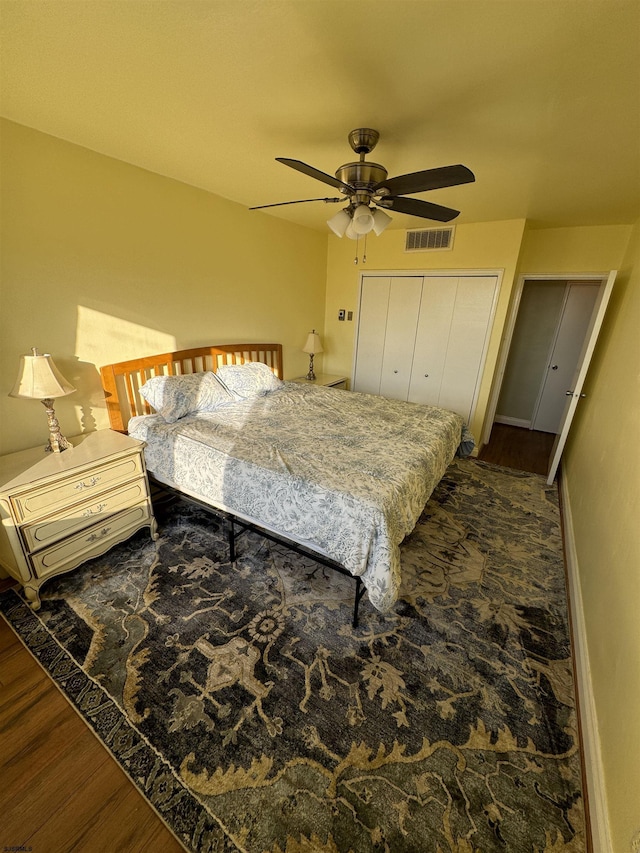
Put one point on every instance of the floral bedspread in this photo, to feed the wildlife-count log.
(345, 472)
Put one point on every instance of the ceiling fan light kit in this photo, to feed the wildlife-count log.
(368, 190)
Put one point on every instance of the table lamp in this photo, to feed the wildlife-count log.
(313, 346)
(40, 379)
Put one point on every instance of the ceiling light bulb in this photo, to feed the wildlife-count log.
(339, 222)
(362, 219)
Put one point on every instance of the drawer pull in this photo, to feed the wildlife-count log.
(98, 509)
(91, 482)
(95, 536)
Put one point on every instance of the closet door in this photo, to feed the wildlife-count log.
(467, 341)
(387, 320)
(432, 338)
(400, 336)
(372, 324)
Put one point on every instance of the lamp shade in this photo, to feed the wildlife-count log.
(38, 377)
(380, 221)
(362, 219)
(313, 345)
(351, 233)
(339, 222)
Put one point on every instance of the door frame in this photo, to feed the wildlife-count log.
(603, 277)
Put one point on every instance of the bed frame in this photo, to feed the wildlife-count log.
(122, 383)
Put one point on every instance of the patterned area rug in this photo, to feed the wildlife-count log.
(255, 718)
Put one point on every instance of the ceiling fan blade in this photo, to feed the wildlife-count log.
(315, 173)
(414, 207)
(300, 201)
(429, 179)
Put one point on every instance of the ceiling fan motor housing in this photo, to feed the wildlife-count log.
(361, 175)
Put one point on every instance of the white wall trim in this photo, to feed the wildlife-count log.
(518, 422)
(591, 753)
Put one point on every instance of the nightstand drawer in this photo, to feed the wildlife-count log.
(62, 493)
(91, 542)
(49, 530)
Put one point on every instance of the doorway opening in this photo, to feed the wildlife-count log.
(551, 332)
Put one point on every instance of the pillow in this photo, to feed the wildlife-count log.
(173, 397)
(252, 379)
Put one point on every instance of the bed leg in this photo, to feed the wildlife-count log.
(356, 603)
(232, 540)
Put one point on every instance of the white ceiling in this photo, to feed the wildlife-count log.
(540, 98)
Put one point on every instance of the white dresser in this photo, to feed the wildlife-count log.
(60, 509)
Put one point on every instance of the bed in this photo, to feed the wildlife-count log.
(342, 476)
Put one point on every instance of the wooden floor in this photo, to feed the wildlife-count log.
(61, 789)
(515, 447)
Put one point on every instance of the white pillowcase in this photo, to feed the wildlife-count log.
(252, 379)
(173, 397)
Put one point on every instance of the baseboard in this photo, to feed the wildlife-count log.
(595, 795)
(518, 422)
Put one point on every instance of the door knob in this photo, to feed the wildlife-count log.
(568, 393)
(554, 367)
(395, 371)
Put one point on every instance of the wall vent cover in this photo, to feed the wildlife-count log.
(429, 239)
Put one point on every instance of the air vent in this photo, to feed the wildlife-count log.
(429, 239)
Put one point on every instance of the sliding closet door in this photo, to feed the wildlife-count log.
(467, 341)
(400, 337)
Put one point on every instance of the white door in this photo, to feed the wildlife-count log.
(468, 339)
(574, 393)
(432, 339)
(400, 337)
(575, 317)
(372, 323)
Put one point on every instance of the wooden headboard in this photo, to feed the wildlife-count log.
(122, 381)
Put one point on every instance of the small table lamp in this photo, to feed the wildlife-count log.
(312, 346)
(40, 379)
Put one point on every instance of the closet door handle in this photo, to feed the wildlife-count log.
(395, 371)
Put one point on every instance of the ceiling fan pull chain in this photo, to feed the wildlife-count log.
(364, 254)
(355, 260)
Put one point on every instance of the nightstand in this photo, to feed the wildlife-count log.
(325, 379)
(60, 509)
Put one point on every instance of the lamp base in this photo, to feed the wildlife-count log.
(310, 375)
(57, 442)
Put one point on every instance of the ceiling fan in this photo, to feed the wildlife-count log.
(370, 192)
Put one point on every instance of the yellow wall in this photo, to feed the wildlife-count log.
(602, 469)
(103, 261)
(589, 249)
(484, 245)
